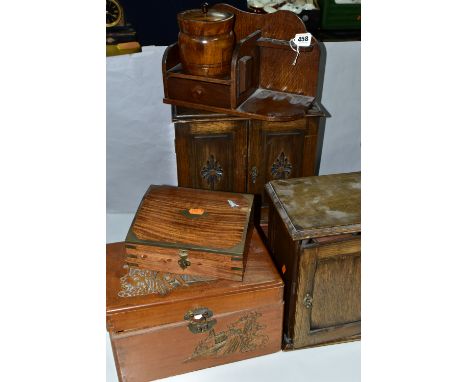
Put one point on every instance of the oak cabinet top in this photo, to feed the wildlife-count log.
(318, 206)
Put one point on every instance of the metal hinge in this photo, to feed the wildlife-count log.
(307, 301)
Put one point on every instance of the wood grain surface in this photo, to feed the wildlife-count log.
(172, 349)
(245, 150)
(322, 274)
(265, 80)
(331, 275)
(261, 283)
(162, 219)
(247, 23)
(206, 41)
(292, 143)
(201, 263)
(151, 339)
(318, 206)
(225, 140)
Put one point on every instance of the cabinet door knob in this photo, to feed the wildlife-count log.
(254, 174)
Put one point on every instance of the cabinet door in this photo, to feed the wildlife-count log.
(212, 155)
(280, 150)
(328, 304)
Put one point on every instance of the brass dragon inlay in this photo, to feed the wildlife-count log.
(240, 337)
(141, 282)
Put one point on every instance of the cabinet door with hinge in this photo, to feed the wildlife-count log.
(280, 150)
(328, 304)
(212, 155)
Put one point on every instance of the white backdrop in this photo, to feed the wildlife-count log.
(140, 135)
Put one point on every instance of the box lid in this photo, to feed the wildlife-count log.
(318, 206)
(187, 218)
(137, 298)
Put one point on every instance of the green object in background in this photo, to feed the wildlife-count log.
(340, 16)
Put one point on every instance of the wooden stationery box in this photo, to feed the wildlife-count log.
(314, 230)
(192, 232)
(162, 324)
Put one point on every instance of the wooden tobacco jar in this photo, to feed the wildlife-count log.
(206, 41)
(163, 324)
(314, 233)
(191, 232)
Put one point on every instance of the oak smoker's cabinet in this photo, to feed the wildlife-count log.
(228, 153)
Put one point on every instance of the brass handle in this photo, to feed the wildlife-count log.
(183, 259)
(199, 320)
(253, 174)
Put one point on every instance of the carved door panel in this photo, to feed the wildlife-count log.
(280, 150)
(212, 155)
(328, 305)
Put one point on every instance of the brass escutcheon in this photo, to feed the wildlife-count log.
(200, 320)
(183, 259)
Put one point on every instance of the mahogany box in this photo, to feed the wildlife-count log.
(191, 232)
(314, 230)
(162, 324)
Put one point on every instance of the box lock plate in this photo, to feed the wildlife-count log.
(308, 301)
(183, 259)
(200, 320)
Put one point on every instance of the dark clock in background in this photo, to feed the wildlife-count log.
(155, 21)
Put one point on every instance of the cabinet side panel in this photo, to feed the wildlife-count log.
(284, 253)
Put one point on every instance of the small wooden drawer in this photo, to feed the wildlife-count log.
(193, 91)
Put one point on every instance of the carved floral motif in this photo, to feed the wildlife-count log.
(281, 168)
(240, 337)
(141, 282)
(212, 171)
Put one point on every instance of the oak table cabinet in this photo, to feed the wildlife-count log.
(163, 324)
(221, 152)
(314, 236)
